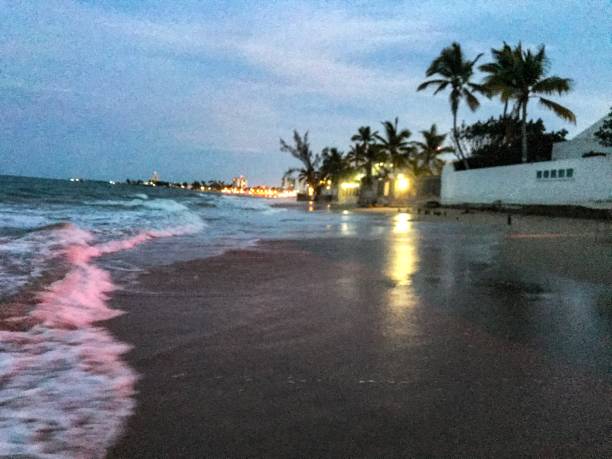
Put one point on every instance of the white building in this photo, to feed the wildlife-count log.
(240, 182)
(568, 179)
(582, 144)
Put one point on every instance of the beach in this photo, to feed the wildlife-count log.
(431, 338)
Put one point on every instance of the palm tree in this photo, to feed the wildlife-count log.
(395, 145)
(455, 71)
(310, 162)
(426, 161)
(498, 81)
(364, 153)
(333, 165)
(524, 77)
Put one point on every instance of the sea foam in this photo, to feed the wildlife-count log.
(66, 391)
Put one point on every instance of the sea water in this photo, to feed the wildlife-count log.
(65, 389)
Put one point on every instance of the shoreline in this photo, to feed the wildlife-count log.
(318, 348)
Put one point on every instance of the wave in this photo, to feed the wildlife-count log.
(66, 391)
(168, 205)
(251, 204)
(21, 221)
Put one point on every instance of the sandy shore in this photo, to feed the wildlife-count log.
(442, 340)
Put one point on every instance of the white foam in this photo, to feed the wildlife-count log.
(66, 392)
(168, 205)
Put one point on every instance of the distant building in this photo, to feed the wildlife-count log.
(581, 144)
(288, 183)
(154, 177)
(240, 182)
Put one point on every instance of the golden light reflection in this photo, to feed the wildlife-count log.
(402, 264)
(403, 256)
(402, 223)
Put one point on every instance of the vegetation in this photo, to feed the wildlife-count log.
(604, 133)
(514, 75)
(364, 153)
(300, 150)
(489, 143)
(334, 165)
(519, 75)
(394, 145)
(427, 161)
(454, 70)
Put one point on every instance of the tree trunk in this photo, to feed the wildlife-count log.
(524, 132)
(507, 133)
(457, 142)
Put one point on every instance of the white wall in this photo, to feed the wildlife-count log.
(590, 185)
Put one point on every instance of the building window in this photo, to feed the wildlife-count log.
(539, 174)
(561, 173)
(553, 173)
(569, 173)
(545, 174)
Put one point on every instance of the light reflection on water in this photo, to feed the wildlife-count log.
(403, 257)
(402, 262)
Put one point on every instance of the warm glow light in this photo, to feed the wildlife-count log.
(402, 183)
(349, 185)
(402, 264)
(310, 191)
(401, 223)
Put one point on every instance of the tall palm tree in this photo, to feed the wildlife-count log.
(310, 162)
(525, 77)
(364, 153)
(395, 144)
(426, 161)
(455, 71)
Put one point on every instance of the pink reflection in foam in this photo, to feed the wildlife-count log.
(66, 391)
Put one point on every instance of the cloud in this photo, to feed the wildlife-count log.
(236, 76)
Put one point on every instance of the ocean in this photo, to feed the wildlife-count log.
(64, 248)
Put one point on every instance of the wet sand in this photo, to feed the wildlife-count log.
(433, 341)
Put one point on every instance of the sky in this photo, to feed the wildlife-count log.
(205, 89)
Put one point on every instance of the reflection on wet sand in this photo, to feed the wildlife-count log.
(402, 263)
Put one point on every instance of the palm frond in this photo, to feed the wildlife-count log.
(472, 63)
(471, 100)
(428, 83)
(442, 87)
(559, 110)
(553, 85)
